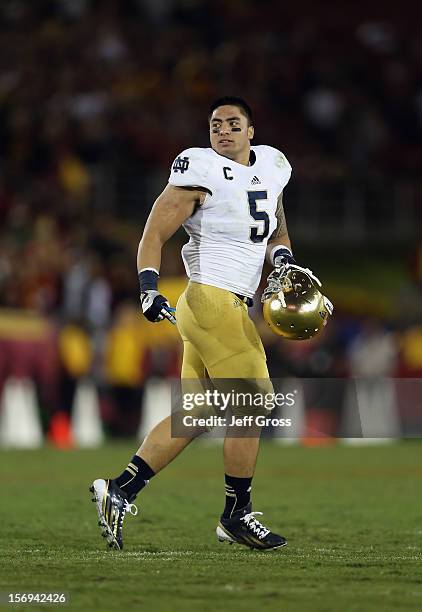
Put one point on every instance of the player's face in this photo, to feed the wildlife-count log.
(230, 134)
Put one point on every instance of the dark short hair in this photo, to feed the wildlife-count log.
(232, 101)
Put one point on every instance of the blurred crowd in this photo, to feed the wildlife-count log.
(98, 97)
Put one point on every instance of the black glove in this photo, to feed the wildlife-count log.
(283, 256)
(155, 306)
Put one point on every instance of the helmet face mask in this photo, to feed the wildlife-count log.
(298, 311)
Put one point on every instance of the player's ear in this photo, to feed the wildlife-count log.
(251, 132)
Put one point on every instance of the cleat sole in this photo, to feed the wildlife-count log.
(223, 536)
(105, 531)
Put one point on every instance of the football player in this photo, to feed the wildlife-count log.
(229, 199)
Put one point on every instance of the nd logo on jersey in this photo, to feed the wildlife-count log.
(181, 164)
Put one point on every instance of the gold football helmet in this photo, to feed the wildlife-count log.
(293, 305)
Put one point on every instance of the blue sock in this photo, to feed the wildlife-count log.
(135, 477)
(238, 494)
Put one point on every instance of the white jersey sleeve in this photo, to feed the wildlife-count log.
(191, 168)
(282, 169)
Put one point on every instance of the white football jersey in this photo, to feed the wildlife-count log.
(229, 232)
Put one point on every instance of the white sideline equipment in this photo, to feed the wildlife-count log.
(86, 419)
(20, 425)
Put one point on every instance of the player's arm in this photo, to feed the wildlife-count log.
(170, 210)
(279, 254)
(279, 245)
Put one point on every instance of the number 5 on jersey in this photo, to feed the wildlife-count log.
(259, 215)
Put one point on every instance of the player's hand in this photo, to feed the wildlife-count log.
(156, 307)
(275, 279)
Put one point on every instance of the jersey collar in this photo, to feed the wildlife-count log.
(252, 158)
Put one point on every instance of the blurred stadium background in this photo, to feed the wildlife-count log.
(97, 98)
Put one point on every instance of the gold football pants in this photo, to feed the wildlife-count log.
(222, 349)
(219, 338)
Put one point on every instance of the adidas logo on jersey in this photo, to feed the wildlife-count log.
(255, 181)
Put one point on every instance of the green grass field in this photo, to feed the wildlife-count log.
(353, 518)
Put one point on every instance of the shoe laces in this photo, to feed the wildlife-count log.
(131, 508)
(127, 507)
(252, 523)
